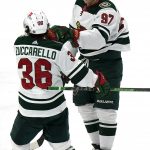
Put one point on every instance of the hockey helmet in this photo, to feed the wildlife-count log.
(36, 22)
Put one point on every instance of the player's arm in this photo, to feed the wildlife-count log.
(106, 24)
(79, 74)
(74, 69)
(68, 46)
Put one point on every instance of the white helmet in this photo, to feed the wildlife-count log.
(36, 23)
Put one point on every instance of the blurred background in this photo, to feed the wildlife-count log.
(133, 116)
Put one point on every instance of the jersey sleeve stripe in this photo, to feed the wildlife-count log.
(86, 51)
(80, 75)
(76, 71)
(121, 40)
(101, 28)
(72, 72)
(123, 34)
(103, 33)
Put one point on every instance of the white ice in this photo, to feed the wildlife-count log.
(133, 117)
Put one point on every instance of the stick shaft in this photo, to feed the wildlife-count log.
(130, 89)
(122, 89)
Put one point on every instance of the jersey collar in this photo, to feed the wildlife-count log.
(85, 7)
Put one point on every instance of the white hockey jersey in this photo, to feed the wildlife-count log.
(40, 63)
(102, 28)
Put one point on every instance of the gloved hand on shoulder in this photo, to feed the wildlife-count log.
(63, 34)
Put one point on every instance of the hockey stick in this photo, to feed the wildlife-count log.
(92, 89)
(130, 89)
(37, 143)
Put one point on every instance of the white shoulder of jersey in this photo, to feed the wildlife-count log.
(108, 20)
(75, 70)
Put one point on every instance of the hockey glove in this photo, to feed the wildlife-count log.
(63, 34)
(51, 35)
(102, 86)
(65, 79)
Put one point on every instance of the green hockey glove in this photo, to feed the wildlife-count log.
(63, 34)
(102, 86)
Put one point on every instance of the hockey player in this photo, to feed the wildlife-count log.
(101, 34)
(40, 63)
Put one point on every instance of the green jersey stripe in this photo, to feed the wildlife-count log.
(47, 106)
(75, 69)
(80, 75)
(104, 34)
(123, 41)
(34, 99)
(86, 51)
(126, 33)
(105, 56)
(101, 27)
(29, 40)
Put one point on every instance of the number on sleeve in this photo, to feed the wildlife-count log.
(72, 58)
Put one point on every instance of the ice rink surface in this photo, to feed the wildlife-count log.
(133, 117)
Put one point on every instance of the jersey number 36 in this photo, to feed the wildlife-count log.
(39, 78)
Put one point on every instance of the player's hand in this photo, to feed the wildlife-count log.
(51, 35)
(63, 34)
(102, 86)
(65, 79)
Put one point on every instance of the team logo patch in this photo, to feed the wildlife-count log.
(104, 4)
